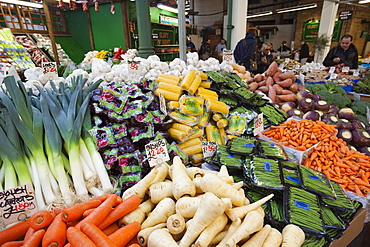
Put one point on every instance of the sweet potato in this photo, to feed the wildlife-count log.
(239, 68)
(257, 91)
(269, 81)
(285, 83)
(264, 89)
(287, 97)
(300, 87)
(262, 83)
(272, 93)
(287, 75)
(276, 75)
(253, 86)
(258, 77)
(286, 92)
(250, 80)
(277, 88)
(294, 87)
(272, 69)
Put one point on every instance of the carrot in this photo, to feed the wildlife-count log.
(123, 235)
(134, 245)
(121, 210)
(78, 239)
(110, 229)
(13, 244)
(56, 234)
(14, 232)
(76, 211)
(28, 234)
(35, 239)
(87, 212)
(41, 219)
(96, 235)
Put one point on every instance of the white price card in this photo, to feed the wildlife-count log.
(162, 104)
(317, 66)
(17, 204)
(345, 69)
(297, 66)
(134, 67)
(287, 60)
(209, 148)
(331, 70)
(2, 69)
(368, 114)
(258, 124)
(333, 76)
(227, 56)
(355, 72)
(301, 78)
(356, 97)
(50, 70)
(157, 152)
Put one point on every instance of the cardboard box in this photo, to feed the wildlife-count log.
(354, 229)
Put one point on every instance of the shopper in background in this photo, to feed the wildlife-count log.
(190, 45)
(245, 49)
(345, 53)
(264, 58)
(283, 47)
(303, 52)
(220, 47)
(205, 50)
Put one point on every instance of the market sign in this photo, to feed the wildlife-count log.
(311, 30)
(345, 15)
(168, 20)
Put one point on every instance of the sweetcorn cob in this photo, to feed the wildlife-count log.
(177, 134)
(168, 80)
(204, 118)
(202, 90)
(191, 105)
(170, 87)
(183, 127)
(205, 84)
(189, 143)
(171, 77)
(217, 106)
(203, 75)
(167, 94)
(173, 105)
(194, 85)
(222, 123)
(213, 134)
(217, 116)
(194, 149)
(196, 158)
(197, 132)
(188, 79)
(223, 135)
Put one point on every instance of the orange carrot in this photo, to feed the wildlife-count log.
(96, 235)
(28, 234)
(87, 212)
(76, 211)
(35, 239)
(56, 234)
(41, 219)
(121, 210)
(13, 244)
(14, 232)
(78, 239)
(111, 229)
(134, 245)
(123, 235)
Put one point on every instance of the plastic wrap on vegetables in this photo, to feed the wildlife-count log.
(183, 118)
(112, 100)
(103, 137)
(266, 173)
(237, 124)
(191, 105)
(242, 146)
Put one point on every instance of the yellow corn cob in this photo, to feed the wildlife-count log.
(188, 79)
(223, 135)
(167, 80)
(172, 77)
(177, 134)
(222, 123)
(194, 149)
(183, 118)
(217, 116)
(208, 96)
(185, 128)
(213, 134)
(167, 94)
(197, 132)
(189, 143)
(196, 158)
(206, 91)
(204, 118)
(217, 106)
(203, 75)
(191, 105)
(170, 87)
(229, 137)
(194, 85)
(205, 84)
(173, 105)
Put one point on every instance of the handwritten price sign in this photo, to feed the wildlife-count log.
(17, 204)
(258, 124)
(50, 70)
(227, 55)
(2, 69)
(209, 148)
(157, 152)
(134, 67)
(162, 104)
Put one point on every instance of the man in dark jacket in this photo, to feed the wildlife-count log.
(303, 52)
(245, 49)
(205, 49)
(345, 53)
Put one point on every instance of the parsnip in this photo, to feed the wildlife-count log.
(139, 214)
(293, 236)
(160, 213)
(176, 224)
(261, 211)
(211, 208)
(162, 172)
(217, 239)
(253, 222)
(142, 186)
(274, 239)
(187, 206)
(258, 239)
(161, 237)
(196, 182)
(224, 174)
(211, 231)
(213, 183)
(194, 172)
(182, 184)
(143, 235)
(238, 185)
(160, 190)
(234, 225)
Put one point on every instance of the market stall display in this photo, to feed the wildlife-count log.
(37, 55)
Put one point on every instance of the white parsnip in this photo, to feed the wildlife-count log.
(143, 235)
(196, 182)
(211, 231)
(142, 186)
(218, 238)
(139, 214)
(162, 172)
(253, 222)
(224, 174)
(181, 183)
(215, 184)
(274, 239)
(194, 172)
(160, 213)
(258, 239)
(233, 226)
(160, 190)
(238, 185)
(211, 208)
(293, 236)
(176, 224)
(187, 206)
(160, 238)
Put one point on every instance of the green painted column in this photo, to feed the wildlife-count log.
(229, 23)
(144, 28)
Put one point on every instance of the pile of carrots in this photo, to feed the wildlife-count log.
(91, 223)
(349, 168)
(300, 135)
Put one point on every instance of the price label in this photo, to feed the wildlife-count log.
(356, 97)
(333, 76)
(227, 55)
(331, 70)
(368, 114)
(258, 124)
(50, 70)
(355, 72)
(287, 60)
(345, 69)
(301, 78)
(17, 204)
(209, 148)
(162, 104)
(134, 67)
(297, 66)
(317, 66)
(2, 69)
(157, 152)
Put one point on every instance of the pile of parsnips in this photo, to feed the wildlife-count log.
(196, 207)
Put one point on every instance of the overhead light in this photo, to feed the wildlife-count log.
(259, 14)
(168, 8)
(364, 1)
(23, 3)
(296, 8)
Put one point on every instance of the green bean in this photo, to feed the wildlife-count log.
(316, 182)
(330, 219)
(265, 173)
(341, 201)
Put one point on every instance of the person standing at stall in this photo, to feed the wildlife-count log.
(245, 49)
(205, 49)
(220, 47)
(283, 47)
(345, 53)
(190, 45)
(303, 52)
(264, 58)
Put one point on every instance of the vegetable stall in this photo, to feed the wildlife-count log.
(272, 163)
